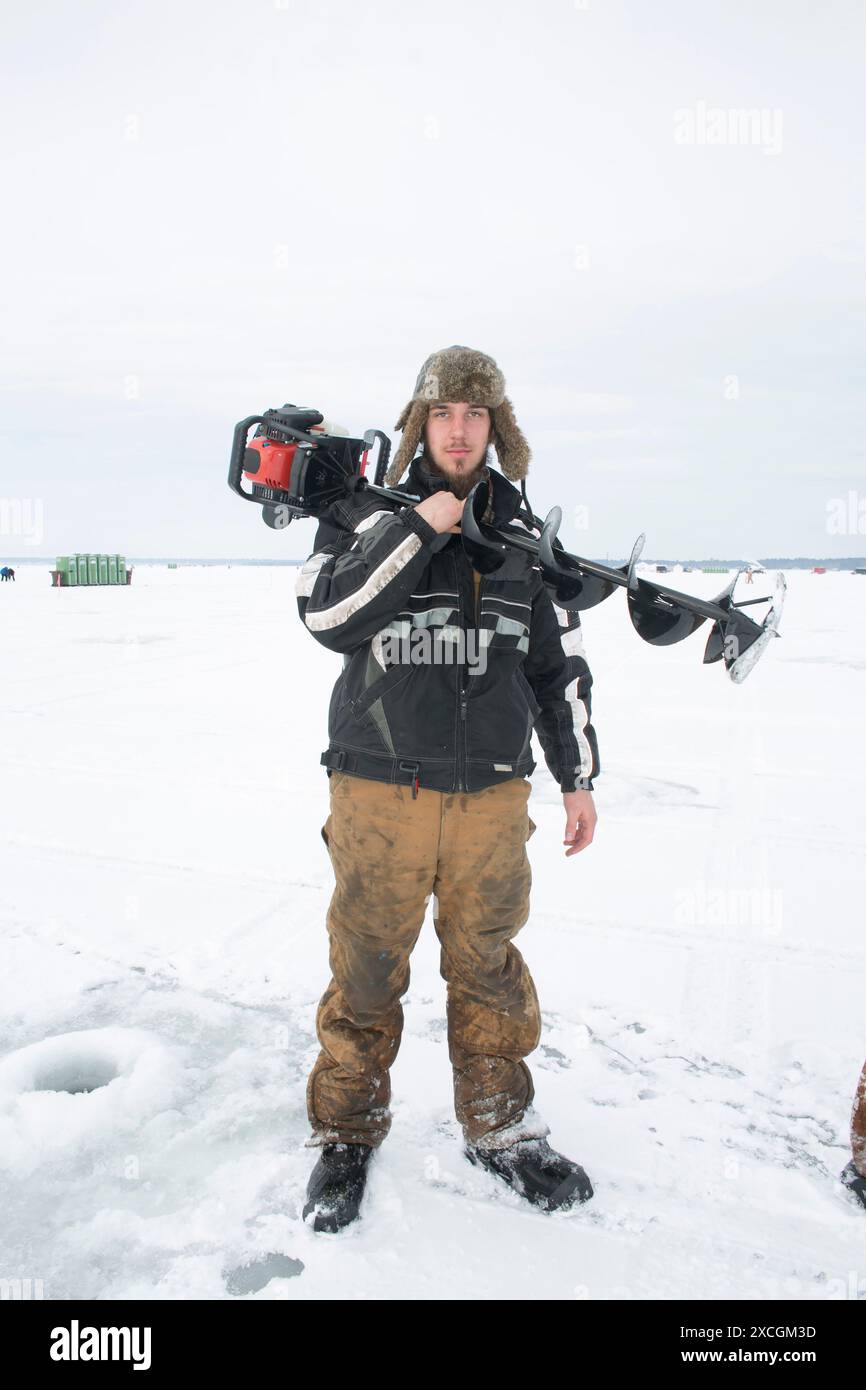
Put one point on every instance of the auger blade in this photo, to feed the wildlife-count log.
(738, 638)
(484, 553)
(570, 587)
(715, 648)
(631, 567)
(657, 619)
(742, 658)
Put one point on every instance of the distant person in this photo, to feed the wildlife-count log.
(750, 578)
(7, 573)
(854, 1175)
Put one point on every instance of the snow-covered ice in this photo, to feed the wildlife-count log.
(701, 967)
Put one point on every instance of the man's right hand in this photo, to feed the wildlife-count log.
(441, 510)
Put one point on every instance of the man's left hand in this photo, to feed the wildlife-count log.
(580, 820)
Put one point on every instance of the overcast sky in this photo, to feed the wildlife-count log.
(213, 208)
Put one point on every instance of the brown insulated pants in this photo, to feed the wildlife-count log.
(858, 1126)
(390, 853)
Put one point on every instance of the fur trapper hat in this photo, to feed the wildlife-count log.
(455, 374)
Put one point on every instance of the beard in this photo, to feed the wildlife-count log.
(461, 486)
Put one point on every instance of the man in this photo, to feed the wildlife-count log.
(445, 674)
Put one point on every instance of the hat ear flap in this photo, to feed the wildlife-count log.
(512, 449)
(411, 422)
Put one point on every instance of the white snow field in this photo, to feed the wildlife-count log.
(701, 967)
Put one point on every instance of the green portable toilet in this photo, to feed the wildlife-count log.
(121, 569)
(67, 569)
(93, 569)
(112, 569)
(103, 568)
(81, 568)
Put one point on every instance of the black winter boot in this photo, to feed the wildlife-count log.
(336, 1185)
(537, 1172)
(852, 1180)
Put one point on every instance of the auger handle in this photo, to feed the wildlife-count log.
(236, 461)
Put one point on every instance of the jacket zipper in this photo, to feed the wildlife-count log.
(461, 699)
(464, 781)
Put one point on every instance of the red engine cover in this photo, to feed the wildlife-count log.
(274, 463)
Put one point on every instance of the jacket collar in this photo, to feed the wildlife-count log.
(505, 500)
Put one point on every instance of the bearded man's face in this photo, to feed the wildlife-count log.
(456, 437)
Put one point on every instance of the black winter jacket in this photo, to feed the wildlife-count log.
(445, 673)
